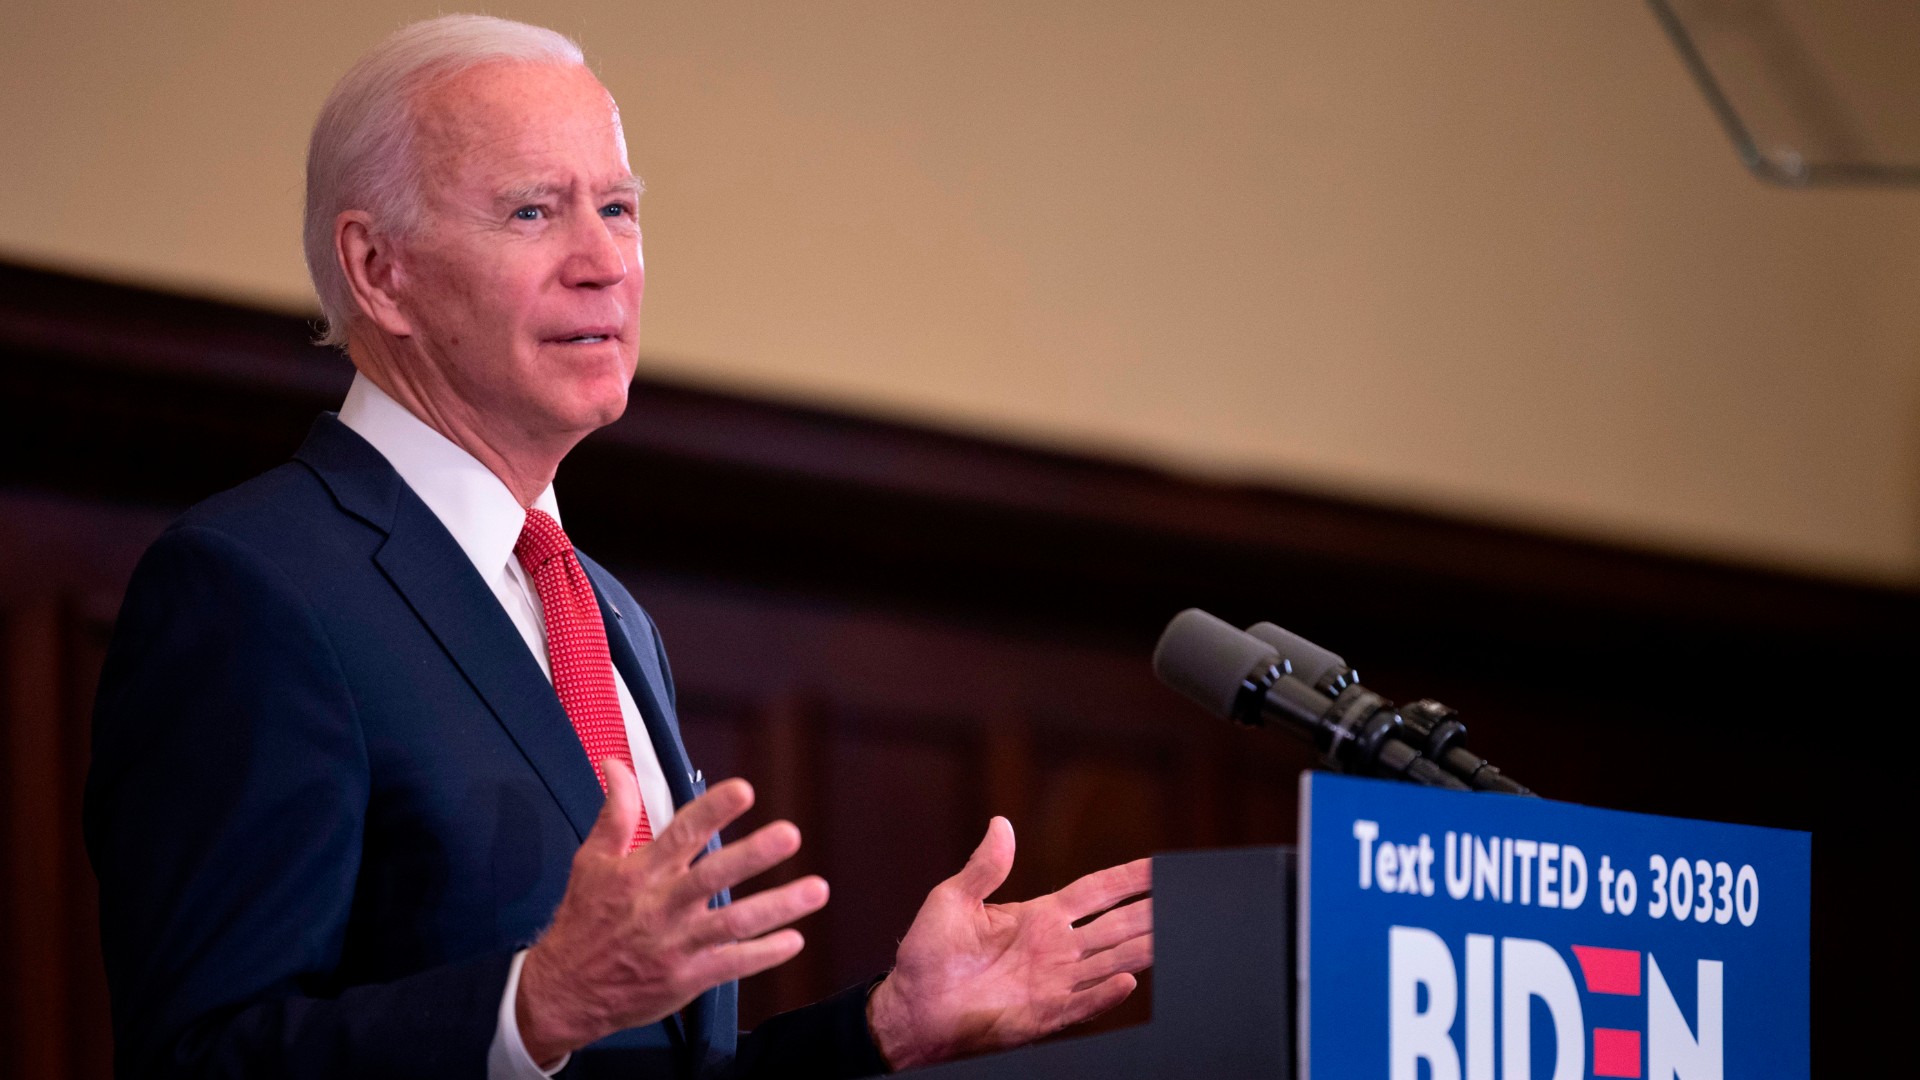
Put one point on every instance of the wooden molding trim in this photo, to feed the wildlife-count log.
(133, 395)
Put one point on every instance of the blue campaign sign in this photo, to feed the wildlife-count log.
(1453, 936)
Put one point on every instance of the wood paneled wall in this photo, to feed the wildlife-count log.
(63, 565)
(897, 632)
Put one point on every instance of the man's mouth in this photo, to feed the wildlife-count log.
(586, 335)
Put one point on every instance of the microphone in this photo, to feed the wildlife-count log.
(1237, 676)
(1432, 727)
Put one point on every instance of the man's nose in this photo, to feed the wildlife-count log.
(596, 258)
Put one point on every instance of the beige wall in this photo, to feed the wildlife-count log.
(1493, 258)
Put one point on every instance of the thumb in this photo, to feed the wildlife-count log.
(619, 815)
(991, 862)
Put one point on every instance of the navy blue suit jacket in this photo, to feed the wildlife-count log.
(332, 793)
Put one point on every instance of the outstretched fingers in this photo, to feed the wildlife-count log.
(1116, 926)
(1090, 1000)
(766, 847)
(613, 829)
(739, 959)
(1102, 889)
(761, 912)
(694, 824)
(1128, 957)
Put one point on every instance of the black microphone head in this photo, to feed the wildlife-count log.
(1310, 662)
(1208, 660)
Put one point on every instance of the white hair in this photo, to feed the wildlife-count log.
(361, 154)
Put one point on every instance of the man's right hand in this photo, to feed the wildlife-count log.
(634, 940)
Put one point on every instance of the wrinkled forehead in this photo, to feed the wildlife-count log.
(513, 121)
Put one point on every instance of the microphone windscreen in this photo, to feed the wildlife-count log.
(1208, 659)
(1310, 662)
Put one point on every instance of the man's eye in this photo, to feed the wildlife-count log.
(527, 213)
(616, 210)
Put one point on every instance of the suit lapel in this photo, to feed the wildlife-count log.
(430, 570)
(622, 629)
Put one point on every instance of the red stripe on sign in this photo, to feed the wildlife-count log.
(1616, 1052)
(1609, 971)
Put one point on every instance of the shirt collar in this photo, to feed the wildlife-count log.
(474, 504)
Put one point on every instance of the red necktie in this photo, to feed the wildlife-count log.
(577, 648)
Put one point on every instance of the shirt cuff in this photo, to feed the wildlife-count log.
(507, 1058)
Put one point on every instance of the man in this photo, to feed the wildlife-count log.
(387, 779)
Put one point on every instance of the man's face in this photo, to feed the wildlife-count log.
(522, 283)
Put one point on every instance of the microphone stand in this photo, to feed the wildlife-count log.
(1432, 728)
(1358, 732)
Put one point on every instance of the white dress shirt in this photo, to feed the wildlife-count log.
(485, 520)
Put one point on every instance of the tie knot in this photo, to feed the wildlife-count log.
(541, 539)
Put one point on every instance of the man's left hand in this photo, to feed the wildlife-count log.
(972, 977)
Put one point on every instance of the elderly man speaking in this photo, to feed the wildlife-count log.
(387, 779)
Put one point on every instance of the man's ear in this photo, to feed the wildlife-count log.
(373, 273)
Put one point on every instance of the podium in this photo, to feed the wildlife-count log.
(1425, 933)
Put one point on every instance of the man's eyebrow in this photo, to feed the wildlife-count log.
(631, 185)
(525, 193)
(532, 193)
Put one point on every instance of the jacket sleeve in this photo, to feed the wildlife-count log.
(224, 814)
(827, 1039)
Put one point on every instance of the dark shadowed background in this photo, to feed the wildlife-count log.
(896, 633)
